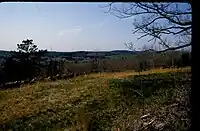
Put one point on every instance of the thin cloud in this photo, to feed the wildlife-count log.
(103, 23)
(70, 31)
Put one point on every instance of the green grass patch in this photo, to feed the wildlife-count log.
(94, 103)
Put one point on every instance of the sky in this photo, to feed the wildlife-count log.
(64, 27)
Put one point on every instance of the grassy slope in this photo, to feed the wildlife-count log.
(60, 105)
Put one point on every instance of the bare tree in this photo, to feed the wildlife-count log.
(130, 46)
(166, 24)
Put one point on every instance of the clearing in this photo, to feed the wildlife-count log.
(104, 101)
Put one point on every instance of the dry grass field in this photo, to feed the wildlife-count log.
(94, 102)
(129, 73)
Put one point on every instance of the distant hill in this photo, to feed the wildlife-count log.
(81, 53)
(125, 52)
(86, 53)
(4, 53)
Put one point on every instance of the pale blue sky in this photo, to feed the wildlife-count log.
(64, 27)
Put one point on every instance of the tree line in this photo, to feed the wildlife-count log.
(28, 63)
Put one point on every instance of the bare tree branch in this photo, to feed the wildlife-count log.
(109, 7)
(174, 48)
(159, 21)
